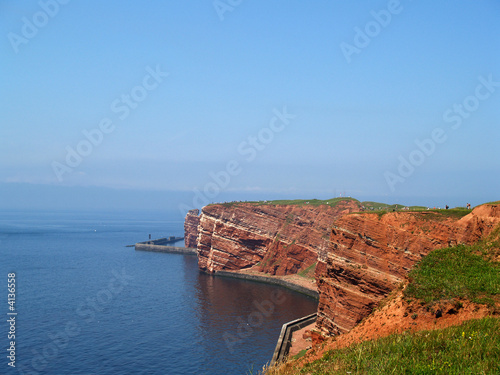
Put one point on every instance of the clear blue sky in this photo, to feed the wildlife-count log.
(357, 114)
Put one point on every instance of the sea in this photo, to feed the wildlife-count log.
(81, 302)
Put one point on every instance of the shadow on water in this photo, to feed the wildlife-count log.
(242, 319)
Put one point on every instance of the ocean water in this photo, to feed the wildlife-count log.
(86, 304)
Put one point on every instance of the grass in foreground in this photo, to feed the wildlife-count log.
(460, 272)
(471, 348)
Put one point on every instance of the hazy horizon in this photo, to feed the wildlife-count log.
(173, 203)
(166, 105)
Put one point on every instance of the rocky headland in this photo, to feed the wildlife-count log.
(353, 257)
(276, 239)
(191, 223)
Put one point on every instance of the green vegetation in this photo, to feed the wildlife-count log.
(441, 214)
(384, 206)
(460, 272)
(450, 274)
(471, 348)
(226, 204)
(309, 271)
(263, 263)
(373, 207)
(298, 202)
(369, 205)
(456, 213)
(300, 354)
(376, 206)
(302, 202)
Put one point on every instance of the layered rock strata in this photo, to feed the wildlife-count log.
(370, 255)
(191, 223)
(275, 239)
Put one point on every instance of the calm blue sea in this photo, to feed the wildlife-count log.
(86, 304)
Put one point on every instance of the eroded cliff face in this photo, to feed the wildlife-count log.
(370, 255)
(191, 223)
(276, 239)
(359, 257)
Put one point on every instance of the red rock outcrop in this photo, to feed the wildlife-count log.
(370, 255)
(276, 239)
(191, 228)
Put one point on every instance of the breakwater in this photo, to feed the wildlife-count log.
(162, 241)
(285, 339)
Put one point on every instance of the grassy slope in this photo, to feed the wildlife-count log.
(461, 272)
(471, 348)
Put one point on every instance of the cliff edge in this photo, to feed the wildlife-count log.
(191, 228)
(356, 258)
(277, 239)
(370, 255)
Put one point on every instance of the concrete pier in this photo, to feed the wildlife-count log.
(160, 245)
(163, 241)
(285, 338)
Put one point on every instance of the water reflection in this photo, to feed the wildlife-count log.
(241, 319)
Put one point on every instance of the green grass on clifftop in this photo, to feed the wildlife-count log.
(471, 348)
(311, 202)
(455, 273)
(460, 272)
(456, 213)
(297, 202)
(440, 214)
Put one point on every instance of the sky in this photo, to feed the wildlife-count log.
(176, 104)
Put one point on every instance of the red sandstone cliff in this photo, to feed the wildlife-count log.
(276, 239)
(360, 257)
(370, 255)
(191, 228)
